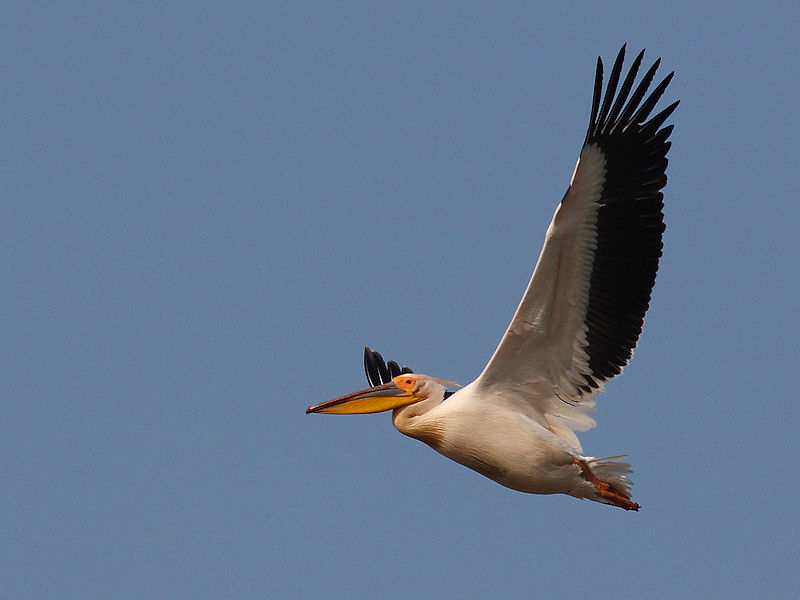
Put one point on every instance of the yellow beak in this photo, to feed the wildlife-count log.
(374, 400)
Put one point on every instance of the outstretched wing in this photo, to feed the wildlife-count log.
(378, 372)
(582, 313)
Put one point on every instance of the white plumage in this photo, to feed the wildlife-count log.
(575, 327)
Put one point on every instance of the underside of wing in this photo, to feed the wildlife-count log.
(582, 313)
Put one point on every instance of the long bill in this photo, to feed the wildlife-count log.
(373, 400)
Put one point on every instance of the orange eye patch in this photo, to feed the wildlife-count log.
(405, 382)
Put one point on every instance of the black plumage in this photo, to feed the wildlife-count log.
(630, 221)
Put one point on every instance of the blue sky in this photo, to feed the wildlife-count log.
(208, 212)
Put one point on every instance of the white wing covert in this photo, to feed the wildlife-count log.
(582, 312)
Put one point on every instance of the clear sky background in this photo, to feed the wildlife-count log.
(207, 212)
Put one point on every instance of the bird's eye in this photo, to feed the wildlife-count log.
(409, 381)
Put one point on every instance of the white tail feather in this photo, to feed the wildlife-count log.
(612, 470)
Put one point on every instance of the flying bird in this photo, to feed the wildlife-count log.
(575, 327)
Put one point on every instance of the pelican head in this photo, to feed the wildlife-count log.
(401, 391)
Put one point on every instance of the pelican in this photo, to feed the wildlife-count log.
(575, 327)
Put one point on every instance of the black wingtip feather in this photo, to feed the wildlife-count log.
(625, 90)
(379, 372)
(598, 94)
(611, 88)
(630, 221)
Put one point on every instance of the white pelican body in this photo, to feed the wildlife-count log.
(510, 444)
(575, 327)
(505, 445)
